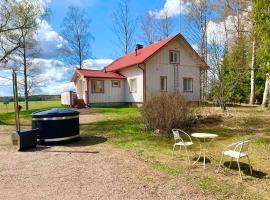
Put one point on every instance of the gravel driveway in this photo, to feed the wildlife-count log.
(99, 172)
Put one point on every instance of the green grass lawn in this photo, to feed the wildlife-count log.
(122, 127)
(32, 105)
(25, 116)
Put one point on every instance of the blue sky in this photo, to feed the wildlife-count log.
(100, 13)
(55, 72)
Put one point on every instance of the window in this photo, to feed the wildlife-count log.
(115, 83)
(97, 86)
(133, 85)
(163, 83)
(188, 85)
(174, 57)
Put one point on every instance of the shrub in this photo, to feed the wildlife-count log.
(167, 111)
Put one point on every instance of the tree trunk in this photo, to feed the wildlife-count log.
(252, 73)
(25, 76)
(80, 53)
(266, 91)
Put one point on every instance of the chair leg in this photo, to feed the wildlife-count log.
(221, 159)
(173, 152)
(250, 167)
(230, 163)
(239, 169)
(187, 155)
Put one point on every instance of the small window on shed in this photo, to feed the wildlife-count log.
(174, 57)
(115, 83)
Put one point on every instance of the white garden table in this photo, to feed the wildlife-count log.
(206, 139)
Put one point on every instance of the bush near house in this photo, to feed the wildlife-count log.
(167, 111)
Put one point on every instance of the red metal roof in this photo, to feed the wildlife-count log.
(145, 53)
(142, 55)
(89, 73)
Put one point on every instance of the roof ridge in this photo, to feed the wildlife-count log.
(148, 50)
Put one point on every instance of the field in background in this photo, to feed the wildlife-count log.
(7, 118)
(33, 105)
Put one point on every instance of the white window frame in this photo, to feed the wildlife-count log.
(93, 82)
(116, 85)
(175, 57)
(131, 89)
(190, 87)
(165, 86)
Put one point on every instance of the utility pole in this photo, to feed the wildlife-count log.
(16, 104)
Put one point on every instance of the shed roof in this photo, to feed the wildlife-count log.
(90, 73)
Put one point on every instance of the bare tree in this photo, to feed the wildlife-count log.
(165, 26)
(75, 29)
(28, 48)
(148, 28)
(199, 16)
(252, 72)
(124, 26)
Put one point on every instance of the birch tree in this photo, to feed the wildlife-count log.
(148, 24)
(164, 26)
(261, 17)
(76, 30)
(124, 26)
(28, 50)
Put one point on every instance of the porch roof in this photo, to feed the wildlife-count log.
(90, 73)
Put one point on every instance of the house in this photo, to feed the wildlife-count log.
(170, 65)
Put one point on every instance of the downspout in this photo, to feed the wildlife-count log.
(144, 79)
(87, 89)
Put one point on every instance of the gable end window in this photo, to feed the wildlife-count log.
(188, 84)
(115, 83)
(97, 86)
(174, 57)
(133, 85)
(163, 83)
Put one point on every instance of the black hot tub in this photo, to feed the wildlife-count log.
(56, 125)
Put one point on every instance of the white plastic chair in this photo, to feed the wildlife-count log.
(236, 150)
(179, 141)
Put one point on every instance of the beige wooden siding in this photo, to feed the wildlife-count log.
(110, 95)
(159, 65)
(131, 73)
(79, 88)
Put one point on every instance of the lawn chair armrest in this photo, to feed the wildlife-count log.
(231, 146)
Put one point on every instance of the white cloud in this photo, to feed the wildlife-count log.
(96, 63)
(216, 29)
(195, 47)
(171, 8)
(51, 69)
(49, 40)
(45, 3)
(58, 88)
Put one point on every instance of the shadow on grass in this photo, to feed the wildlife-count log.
(88, 140)
(245, 169)
(207, 160)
